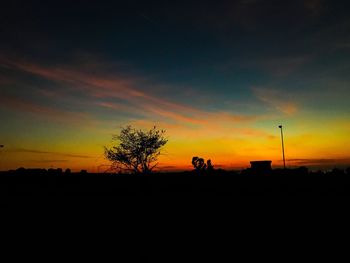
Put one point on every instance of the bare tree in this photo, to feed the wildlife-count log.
(137, 151)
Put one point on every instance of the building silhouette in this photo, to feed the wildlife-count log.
(261, 167)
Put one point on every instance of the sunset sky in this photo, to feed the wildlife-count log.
(218, 76)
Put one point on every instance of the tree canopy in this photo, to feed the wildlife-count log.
(137, 151)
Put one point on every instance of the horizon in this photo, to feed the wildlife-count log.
(188, 169)
(219, 78)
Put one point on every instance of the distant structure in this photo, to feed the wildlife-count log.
(261, 167)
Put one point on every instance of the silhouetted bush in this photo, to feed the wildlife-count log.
(201, 167)
(210, 167)
(199, 164)
(337, 172)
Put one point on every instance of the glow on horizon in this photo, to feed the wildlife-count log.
(229, 151)
(58, 128)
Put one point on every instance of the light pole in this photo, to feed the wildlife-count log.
(284, 160)
(1, 146)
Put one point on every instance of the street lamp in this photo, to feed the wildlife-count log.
(284, 160)
(1, 146)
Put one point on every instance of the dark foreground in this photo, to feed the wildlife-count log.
(281, 182)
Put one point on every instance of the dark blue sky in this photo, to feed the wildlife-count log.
(183, 42)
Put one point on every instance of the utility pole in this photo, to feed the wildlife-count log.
(284, 160)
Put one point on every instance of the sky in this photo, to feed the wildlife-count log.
(218, 76)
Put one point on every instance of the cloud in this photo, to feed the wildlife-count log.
(314, 7)
(104, 91)
(218, 129)
(282, 66)
(54, 114)
(276, 99)
(343, 45)
(23, 150)
(5, 80)
(312, 161)
(249, 2)
(320, 162)
(255, 133)
(49, 161)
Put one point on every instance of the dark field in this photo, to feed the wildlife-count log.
(277, 182)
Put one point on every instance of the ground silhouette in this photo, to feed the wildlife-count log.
(219, 182)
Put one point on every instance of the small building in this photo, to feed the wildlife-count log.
(261, 166)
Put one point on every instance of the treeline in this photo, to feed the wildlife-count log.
(301, 171)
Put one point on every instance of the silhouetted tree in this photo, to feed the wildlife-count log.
(198, 163)
(137, 150)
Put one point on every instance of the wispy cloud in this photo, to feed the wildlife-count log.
(315, 7)
(276, 99)
(33, 151)
(343, 45)
(28, 106)
(48, 161)
(320, 162)
(104, 90)
(280, 66)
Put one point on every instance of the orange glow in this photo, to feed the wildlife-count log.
(50, 136)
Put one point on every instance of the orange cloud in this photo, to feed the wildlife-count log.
(20, 150)
(54, 114)
(126, 88)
